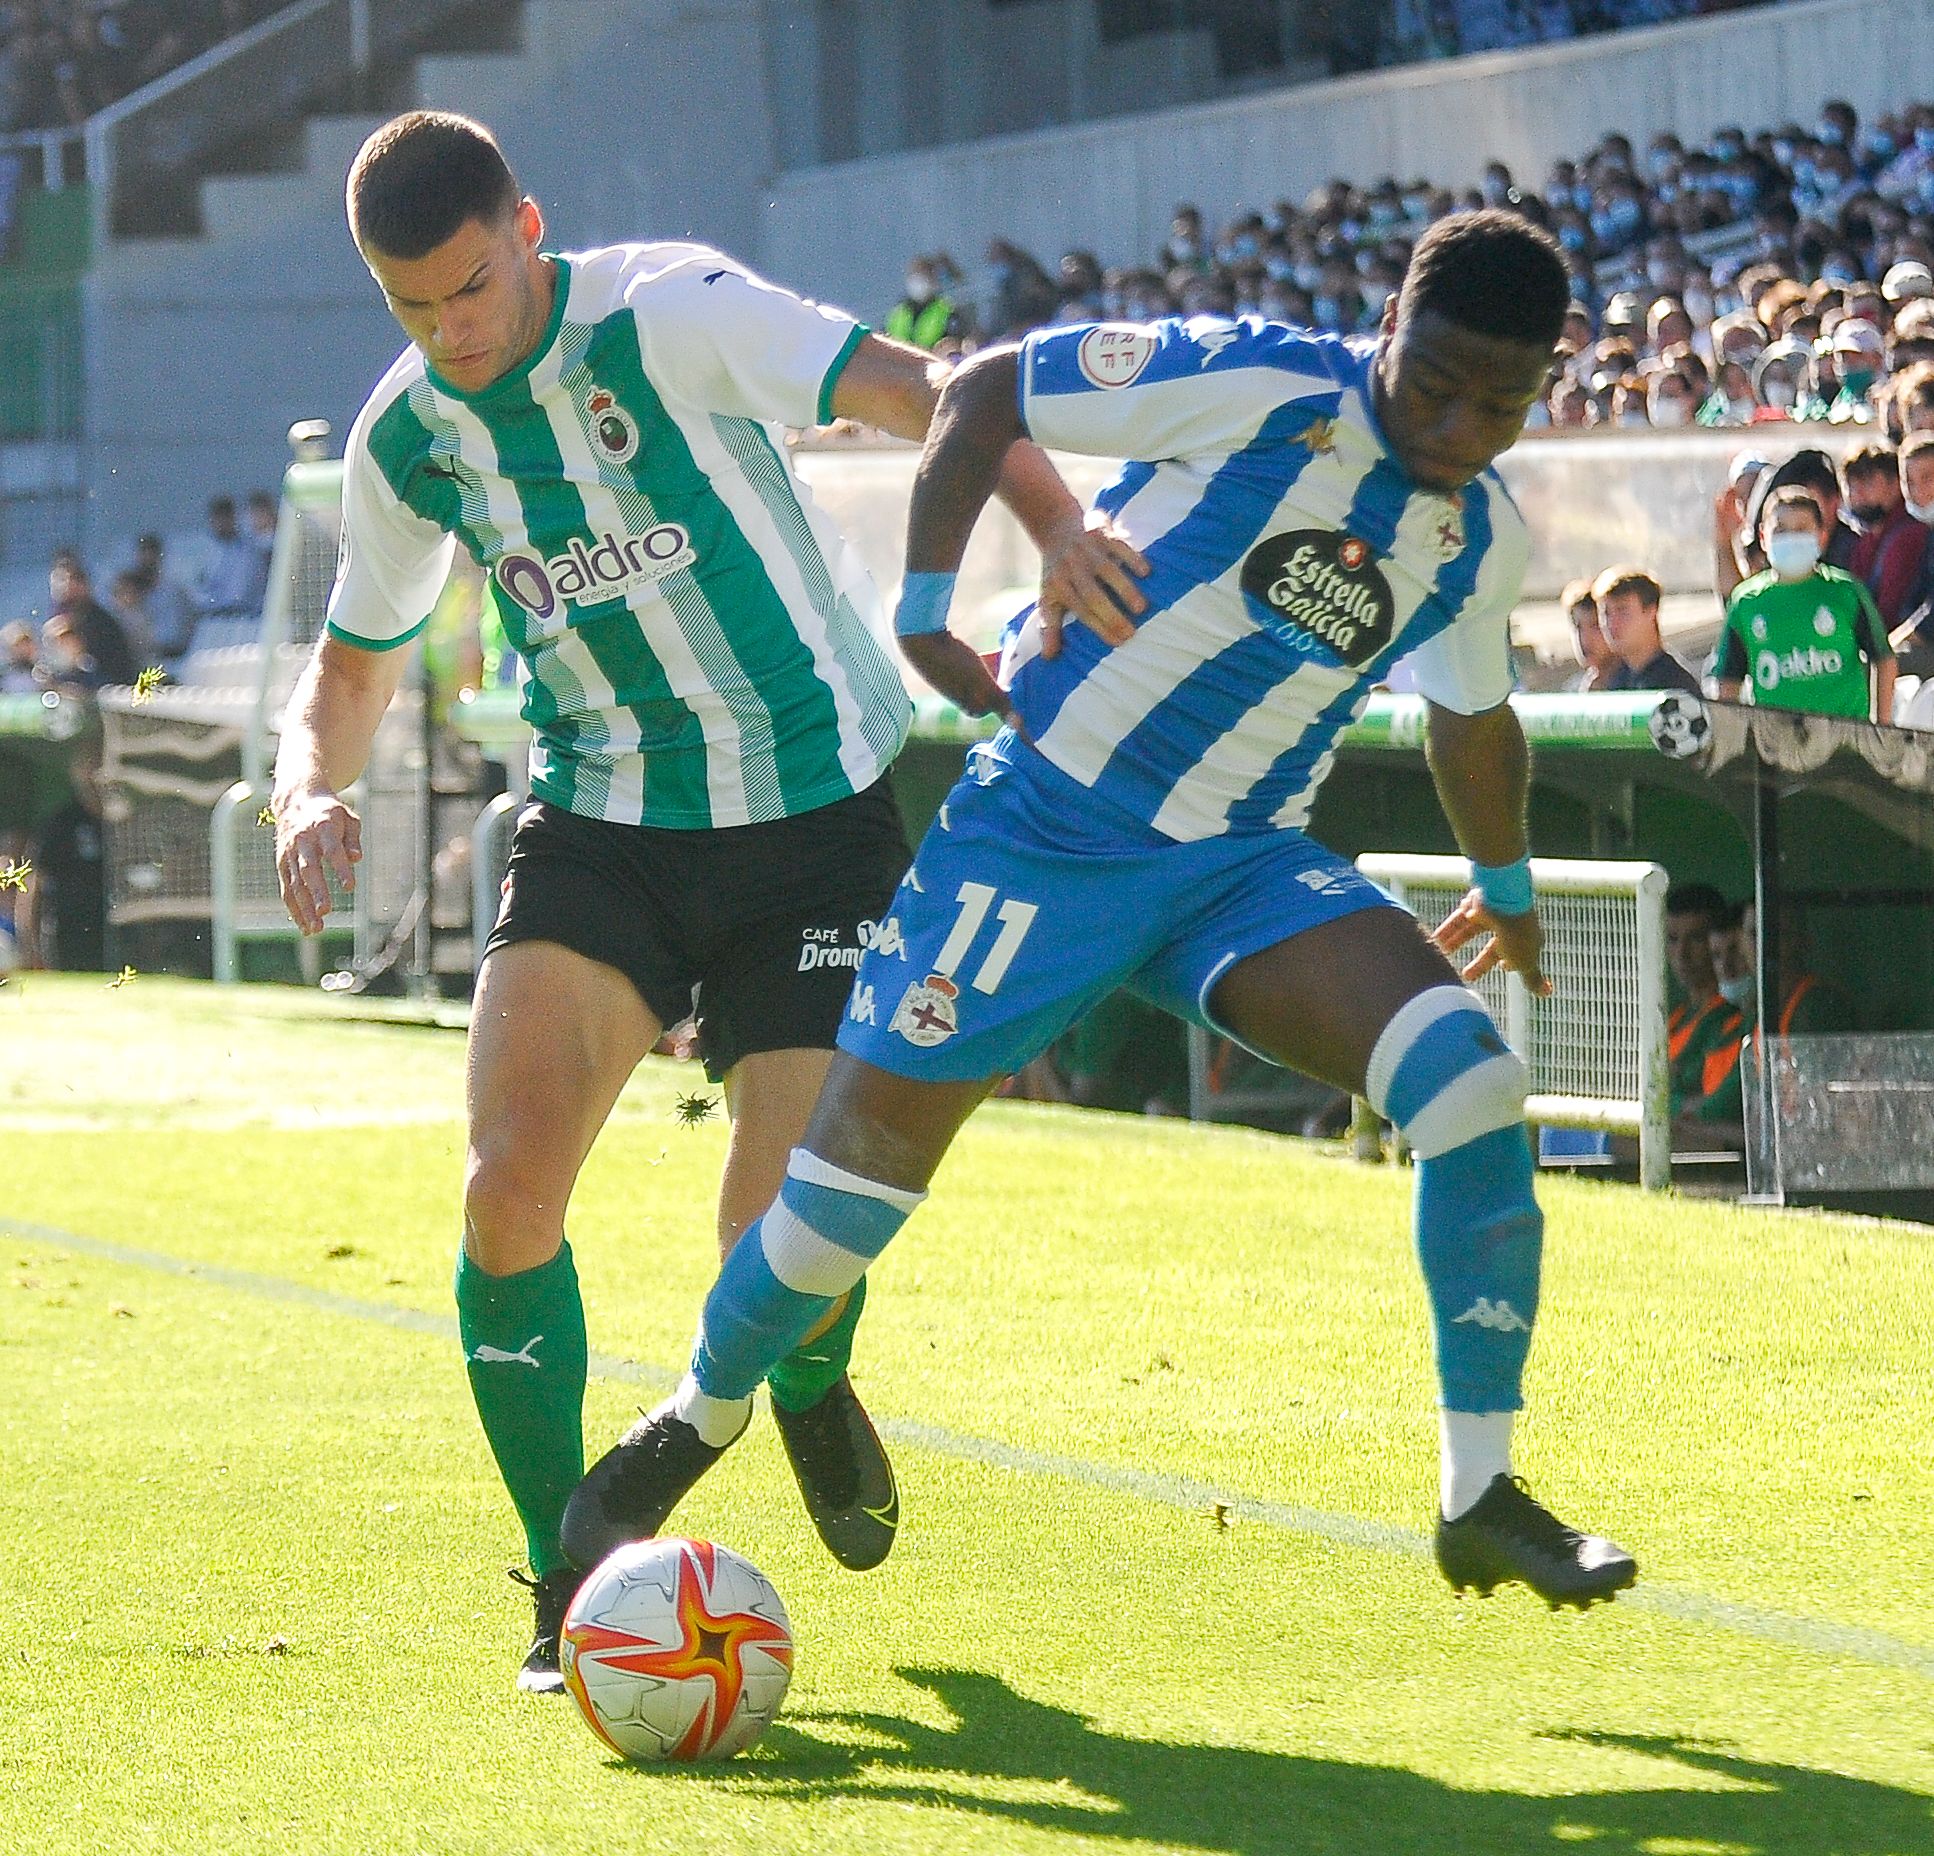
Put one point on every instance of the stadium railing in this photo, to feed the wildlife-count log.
(1597, 1047)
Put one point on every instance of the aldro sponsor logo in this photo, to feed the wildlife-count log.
(1772, 668)
(1322, 593)
(585, 575)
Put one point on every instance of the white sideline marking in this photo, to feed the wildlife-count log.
(1816, 1635)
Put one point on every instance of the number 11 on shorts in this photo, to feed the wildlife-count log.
(1015, 918)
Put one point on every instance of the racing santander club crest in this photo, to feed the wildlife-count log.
(1321, 592)
(612, 429)
(926, 1015)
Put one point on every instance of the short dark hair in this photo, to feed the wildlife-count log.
(1695, 899)
(1625, 579)
(421, 178)
(1491, 272)
(1870, 461)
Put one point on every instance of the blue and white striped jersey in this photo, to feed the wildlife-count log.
(1293, 564)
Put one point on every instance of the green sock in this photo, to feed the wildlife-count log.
(524, 1349)
(813, 1367)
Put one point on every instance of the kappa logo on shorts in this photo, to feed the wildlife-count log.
(860, 1007)
(1326, 882)
(926, 1015)
(883, 938)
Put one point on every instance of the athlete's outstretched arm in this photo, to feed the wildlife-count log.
(1087, 569)
(1482, 770)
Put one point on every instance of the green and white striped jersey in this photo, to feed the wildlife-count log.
(699, 645)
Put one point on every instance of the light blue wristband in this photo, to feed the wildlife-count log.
(1506, 888)
(924, 599)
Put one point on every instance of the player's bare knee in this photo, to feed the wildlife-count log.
(513, 1214)
(1443, 1074)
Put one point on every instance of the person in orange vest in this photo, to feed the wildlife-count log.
(1809, 1005)
(1703, 1026)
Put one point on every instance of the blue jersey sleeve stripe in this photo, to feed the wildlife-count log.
(1183, 352)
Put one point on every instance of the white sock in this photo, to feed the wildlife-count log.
(1475, 1450)
(717, 1420)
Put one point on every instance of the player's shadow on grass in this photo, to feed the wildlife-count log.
(1007, 1757)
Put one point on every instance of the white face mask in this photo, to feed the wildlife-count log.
(1792, 555)
(1921, 512)
(1737, 992)
(1779, 393)
(1671, 412)
(918, 288)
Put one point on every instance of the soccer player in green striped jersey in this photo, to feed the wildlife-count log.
(714, 705)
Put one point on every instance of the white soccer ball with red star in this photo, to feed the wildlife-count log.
(677, 1650)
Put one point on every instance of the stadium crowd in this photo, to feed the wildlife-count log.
(1782, 275)
(156, 612)
(61, 61)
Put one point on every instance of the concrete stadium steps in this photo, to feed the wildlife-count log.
(202, 350)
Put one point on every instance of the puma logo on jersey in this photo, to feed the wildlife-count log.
(487, 1355)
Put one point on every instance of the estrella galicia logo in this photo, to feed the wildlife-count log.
(1322, 593)
(612, 565)
(612, 429)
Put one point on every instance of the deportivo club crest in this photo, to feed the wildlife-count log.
(611, 428)
(1322, 593)
(925, 1015)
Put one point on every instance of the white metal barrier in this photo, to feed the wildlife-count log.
(1597, 1046)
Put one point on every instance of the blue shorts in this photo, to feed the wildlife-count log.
(1030, 900)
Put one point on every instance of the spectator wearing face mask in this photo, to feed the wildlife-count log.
(1186, 249)
(1672, 398)
(1803, 635)
(1778, 375)
(1627, 599)
(1810, 470)
(1859, 351)
(925, 316)
(1892, 546)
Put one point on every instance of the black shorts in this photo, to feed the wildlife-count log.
(753, 929)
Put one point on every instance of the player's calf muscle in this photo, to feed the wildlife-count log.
(885, 1127)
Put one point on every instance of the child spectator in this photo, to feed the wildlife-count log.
(1805, 635)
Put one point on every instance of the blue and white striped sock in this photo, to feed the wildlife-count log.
(813, 1244)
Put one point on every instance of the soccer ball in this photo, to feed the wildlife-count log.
(677, 1650)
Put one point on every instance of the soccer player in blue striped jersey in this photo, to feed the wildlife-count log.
(1312, 510)
(713, 703)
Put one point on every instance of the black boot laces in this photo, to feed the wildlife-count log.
(1524, 1518)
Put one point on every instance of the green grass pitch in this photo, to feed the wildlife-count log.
(257, 1600)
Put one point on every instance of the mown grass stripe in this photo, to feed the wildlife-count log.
(1818, 1636)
